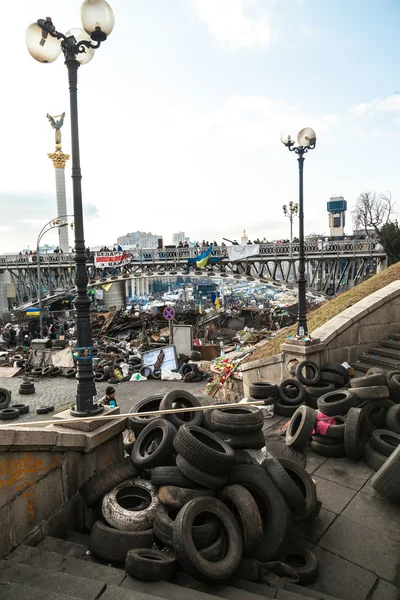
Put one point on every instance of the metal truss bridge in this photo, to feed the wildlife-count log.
(331, 267)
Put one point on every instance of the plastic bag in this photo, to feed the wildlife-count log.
(138, 377)
(169, 375)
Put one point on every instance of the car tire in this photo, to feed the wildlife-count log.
(387, 480)
(205, 531)
(334, 378)
(330, 451)
(368, 380)
(304, 483)
(288, 399)
(186, 400)
(9, 414)
(304, 379)
(336, 432)
(247, 513)
(304, 563)
(203, 449)
(5, 398)
(112, 545)
(393, 418)
(285, 410)
(261, 390)
(384, 441)
(175, 497)
(105, 480)
(238, 419)
(356, 433)
(201, 478)
(150, 565)
(126, 519)
(337, 403)
(149, 404)
(373, 458)
(254, 441)
(160, 431)
(373, 392)
(23, 408)
(338, 369)
(286, 485)
(300, 427)
(165, 476)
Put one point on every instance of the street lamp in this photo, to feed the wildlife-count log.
(45, 45)
(307, 140)
(291, 212)
(53, 224)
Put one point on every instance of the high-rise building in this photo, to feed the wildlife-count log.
(337, 207)
(140, 239)
(179, 237)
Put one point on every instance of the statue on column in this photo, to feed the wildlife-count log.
(57, 126)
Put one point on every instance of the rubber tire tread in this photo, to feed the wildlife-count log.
(337, 431)
(296, 400)
(285, 485)
(393, 418)
(248, 514)
(199, 454)
(338, 407)
(368, 380)
(204, 535)
(277, 527)
(338, 369)
(164, 450)
(307, 573)
(373, 458)
(373, 392)
(254, 441)
(380, 445)
(302, 378)
(307, 486)
(163, 475)
(137, 424)
(387, 480)
(105, 480)
(356, 433)
(336, 451)
(284, 410)
(189, 399)
(261, 390)
(298, 439)
(112, 545)
(201, 478)
(316, 391)
(250, 421)
(162, 568)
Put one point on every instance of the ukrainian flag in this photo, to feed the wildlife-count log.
(217, 303)
(202, 259)
(201, 305)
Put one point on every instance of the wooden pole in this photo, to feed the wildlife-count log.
(151, 413)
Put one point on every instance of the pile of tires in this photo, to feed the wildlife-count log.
(193, 495)
(361, 421)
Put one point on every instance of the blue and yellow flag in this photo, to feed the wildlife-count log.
(217, 303)
(202, 259)
(201, 305)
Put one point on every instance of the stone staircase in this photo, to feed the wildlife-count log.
(385, 354)
(63, 569)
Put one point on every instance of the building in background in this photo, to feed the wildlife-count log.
(140, 239)
(179, 237)
(337, 207)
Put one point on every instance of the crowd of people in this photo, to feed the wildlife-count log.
(12, 335)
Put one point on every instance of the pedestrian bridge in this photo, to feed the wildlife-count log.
(331, 267)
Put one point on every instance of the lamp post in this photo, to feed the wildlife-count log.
(45, 45)
(307, 140)
(53, 224)
(291, 212)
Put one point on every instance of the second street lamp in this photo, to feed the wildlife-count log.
(306, 139)
(45, 44)
(290, 211)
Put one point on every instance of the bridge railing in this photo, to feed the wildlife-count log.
(157, 256)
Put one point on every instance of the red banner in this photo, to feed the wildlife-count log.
(105, 260)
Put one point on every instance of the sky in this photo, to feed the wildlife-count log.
(181, 112)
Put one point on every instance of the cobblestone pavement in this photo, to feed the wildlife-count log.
(60, 392)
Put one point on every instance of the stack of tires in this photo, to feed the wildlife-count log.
(192, 495)
(362, 421)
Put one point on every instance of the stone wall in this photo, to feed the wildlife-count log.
(343, 338)
(231, 391)
(41, 470)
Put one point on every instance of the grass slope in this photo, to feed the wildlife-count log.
(330, 309)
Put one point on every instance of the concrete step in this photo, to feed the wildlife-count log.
(17, 591)
(386, 352)
(394, 336)
(376, 361)
(50, 581)
(64, 547)
(390, 344)
(77, 537)
(360, 367)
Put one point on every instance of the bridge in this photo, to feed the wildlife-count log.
(330, 267)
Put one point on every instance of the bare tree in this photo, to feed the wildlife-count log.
(373, 211)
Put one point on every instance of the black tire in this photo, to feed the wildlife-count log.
(304, 379)
(394, 378)
(304, 563)
(373, 458)
(393, 418)
(243, 458)
(9, 414)
(23, 408)
(286, 411)
(195, 355)
(161, 476)
(216, 551)
(300, 427)
(305, 484)
(319, 389)
(336, 432)
(113, 381)
(244, 507)
(374, 392)
(55, 371)
(300, 392)
(337, 403)
(36, 371)
(145, 372)
(368, 380)
(338, 369)
(188, 377)
(44, 410)
(104, 480)
(154, 445)
(238, 419)
(185, 399)
(336, 451)
(112, 545)
(205, 399)
(260, 390)
(188, 369)
(356, 432)
(205, 531)
(275, 513)
(149, 404)
(334, 378)
(377, 410)
(151, 565)
(286, 486)
(186, 552)
(27, 392)
(387, 480)
(311, 402)
(203, 479)
(253, 441)
(47, 371)
(5, 398)
(325, 440)
(176, 497)
(384, 441)
(393, 387)
(207, 421)
(69, 373)
(156, 374)
(203, 449)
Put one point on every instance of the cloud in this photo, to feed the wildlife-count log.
(383, 105)
(90, 211)
(308, 32)
(235, 24)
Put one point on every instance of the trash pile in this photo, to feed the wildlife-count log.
(199, 493)
(337, 416)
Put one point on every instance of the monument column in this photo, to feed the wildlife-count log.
(59, 159)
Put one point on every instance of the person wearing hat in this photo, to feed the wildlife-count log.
(109, 398)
